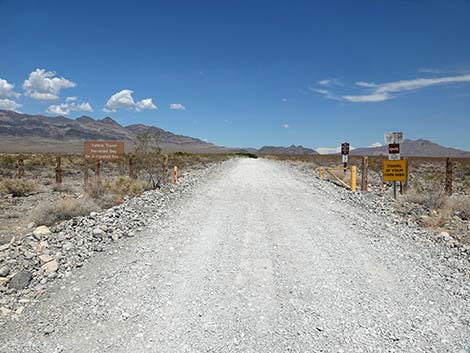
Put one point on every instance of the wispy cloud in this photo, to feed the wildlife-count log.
(424, 70)
(375, 97)
(376, 144)
(324, 92)
(379, 92)
(177, 106)
(286, 126)
(328, 82)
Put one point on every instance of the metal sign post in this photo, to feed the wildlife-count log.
(393, 139)
(345, 155)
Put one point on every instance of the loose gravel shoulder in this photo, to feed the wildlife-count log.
(255, 257)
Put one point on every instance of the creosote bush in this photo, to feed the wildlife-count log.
(17, 187)
(48, 213)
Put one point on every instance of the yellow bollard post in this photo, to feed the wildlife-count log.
(321, 172)
(353, 178)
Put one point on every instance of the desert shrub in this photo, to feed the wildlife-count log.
(112, 192)
(64, 187)
(459, 203)
(48, 213)
(124, 186)
(432, 198)
(17, 187)
(149, 158)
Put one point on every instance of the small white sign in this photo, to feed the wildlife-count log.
(393, 137)
(394, 157)
(345, 158)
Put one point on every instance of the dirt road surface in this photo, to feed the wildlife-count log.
(256, 259)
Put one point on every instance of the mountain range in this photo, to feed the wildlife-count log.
(42, 134)
(294, 150)
(417, 148)
(39, 133)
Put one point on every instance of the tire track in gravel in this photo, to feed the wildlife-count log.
(258, 259)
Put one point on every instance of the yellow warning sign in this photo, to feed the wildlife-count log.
(394, 170)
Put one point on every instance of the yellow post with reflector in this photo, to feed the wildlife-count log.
(321, 173)
(353, 178)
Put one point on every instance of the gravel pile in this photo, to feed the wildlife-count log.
(407, 225)
(29, 264)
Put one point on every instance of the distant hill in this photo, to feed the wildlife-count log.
(299, 150)
(417, 148)
(39, 133)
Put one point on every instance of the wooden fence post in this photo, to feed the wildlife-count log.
(58, 171)
(364, 169)
(85, 172)
(404, 185)
(20, 168)
(449, 171)
(132, 169)
(97, 168)
(165, 170)
(175, 174)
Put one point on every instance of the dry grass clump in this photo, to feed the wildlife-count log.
(18, 187)
(48, 213)
(64, 187)
(124, 186)
(112, 192)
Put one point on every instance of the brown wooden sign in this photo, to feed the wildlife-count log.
(103, 150)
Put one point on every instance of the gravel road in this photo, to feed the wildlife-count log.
(258, 258)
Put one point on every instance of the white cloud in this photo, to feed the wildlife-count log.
(67, 108)
(411, 85)
(324, 92)
(376, 97)
(44, 86)
(6, 89)
(324, 82)
(71, 99)
(330, 82)
(366, 84)
(284, 99)
(424, 70)
(8, 104)
(376, 144)
(177, 106)
(375, 92)
(286, 126)
(124, 100)
(145, 104)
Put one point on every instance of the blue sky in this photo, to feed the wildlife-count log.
(246, 73)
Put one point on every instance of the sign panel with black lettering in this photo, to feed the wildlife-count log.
(103, 150)
(394, 170)
(393, 137)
